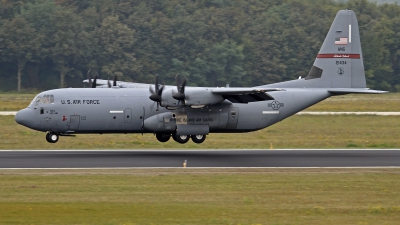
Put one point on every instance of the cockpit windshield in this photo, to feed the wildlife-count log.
(45, 99)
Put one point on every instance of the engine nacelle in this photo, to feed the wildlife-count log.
(163, 122)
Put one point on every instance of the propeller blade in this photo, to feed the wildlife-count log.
(115, 81)
(177, 81)
(180, 96)
(88, 77)
(157, 87)
(109, 83)
(161, 90)
(151, 89)
(183, 85)
(156, 92)
(94, 84)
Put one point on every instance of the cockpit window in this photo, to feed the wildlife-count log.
(46, 99)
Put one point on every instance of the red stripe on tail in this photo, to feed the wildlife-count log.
(334, 56)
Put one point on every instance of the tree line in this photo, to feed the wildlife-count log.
(48, 44)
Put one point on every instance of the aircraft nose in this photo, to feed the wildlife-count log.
(24, 117)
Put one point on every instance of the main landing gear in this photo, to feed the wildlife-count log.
(182, 139)
(52, 137)
(198, 138)
(162, 137)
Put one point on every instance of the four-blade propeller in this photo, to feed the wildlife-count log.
(180, 95)
(157, 92)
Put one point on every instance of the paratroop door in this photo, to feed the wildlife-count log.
(233, 116)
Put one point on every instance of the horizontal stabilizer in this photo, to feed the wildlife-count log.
(354, 91)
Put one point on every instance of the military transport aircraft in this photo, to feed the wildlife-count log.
(184, 113)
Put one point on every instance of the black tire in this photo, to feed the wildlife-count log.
(162, 137)
(52, 137)
(198, 138)
(182, 139)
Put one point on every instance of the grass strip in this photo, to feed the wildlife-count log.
(235, 196)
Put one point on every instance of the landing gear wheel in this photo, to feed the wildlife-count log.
(52, 137)
(198, 138)
(161, 137)
(181, 138)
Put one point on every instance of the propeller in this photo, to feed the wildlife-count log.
(114, 82)
(180, 95)
(157, 92)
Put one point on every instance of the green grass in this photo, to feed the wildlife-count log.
(14, 102)
(240, 196)
(304, 131)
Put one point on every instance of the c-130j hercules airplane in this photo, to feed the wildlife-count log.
(194, 112)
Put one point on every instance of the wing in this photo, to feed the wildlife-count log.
(245, 95)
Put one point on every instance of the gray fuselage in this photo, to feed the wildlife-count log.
(124, 110)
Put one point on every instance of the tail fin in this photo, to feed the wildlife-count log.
(339, 63)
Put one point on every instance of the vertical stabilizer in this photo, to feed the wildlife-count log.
(339, 63)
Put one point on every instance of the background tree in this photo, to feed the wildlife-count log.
(19, 44)
(212, 42)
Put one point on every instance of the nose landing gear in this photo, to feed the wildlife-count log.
(52, 137)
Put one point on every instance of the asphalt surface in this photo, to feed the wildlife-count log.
(199, 158)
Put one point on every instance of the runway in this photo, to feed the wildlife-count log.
(19, 159)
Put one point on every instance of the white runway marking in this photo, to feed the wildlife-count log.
(8, 113)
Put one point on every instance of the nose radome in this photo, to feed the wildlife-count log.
(24, 117)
